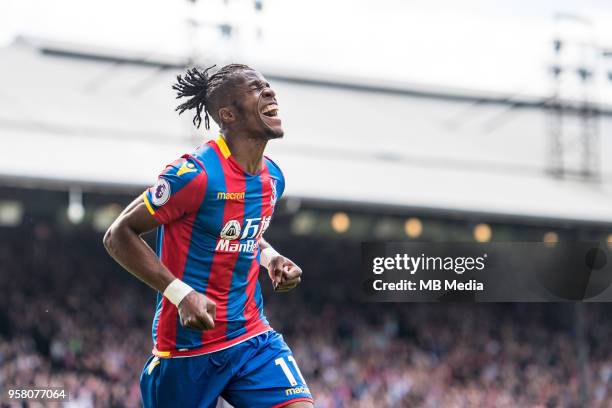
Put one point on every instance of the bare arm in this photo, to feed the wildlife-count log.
(124, 243)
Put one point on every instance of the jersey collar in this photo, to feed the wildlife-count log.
(227, 154)
(225, 151)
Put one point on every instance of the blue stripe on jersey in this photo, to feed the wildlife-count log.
(160, 240)
(158, 304)
(200, 255)
(260, 303)
(237, 297)
(158, 251)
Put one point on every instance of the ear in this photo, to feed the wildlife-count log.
(226, 115)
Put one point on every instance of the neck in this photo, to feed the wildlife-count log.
(247, 151)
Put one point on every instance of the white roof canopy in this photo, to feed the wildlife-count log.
(94, 121)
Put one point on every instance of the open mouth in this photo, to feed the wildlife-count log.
(270, 110)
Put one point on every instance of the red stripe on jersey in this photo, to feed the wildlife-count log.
(220, 277)
(267, 208)
(175, 247)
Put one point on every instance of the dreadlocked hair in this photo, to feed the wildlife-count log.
(200, 87)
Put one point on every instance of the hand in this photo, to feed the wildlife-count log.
(198, 312)
(284, 273)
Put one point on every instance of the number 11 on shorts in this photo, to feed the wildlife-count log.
(281, 362)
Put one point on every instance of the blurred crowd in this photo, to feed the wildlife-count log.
(70, 317)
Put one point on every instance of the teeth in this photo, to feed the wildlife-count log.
(269, 108)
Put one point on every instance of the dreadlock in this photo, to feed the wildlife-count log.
(201, 88)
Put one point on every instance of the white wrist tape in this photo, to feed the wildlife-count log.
(176, 291)
(266, 256)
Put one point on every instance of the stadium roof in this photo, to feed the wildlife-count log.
(74, 115)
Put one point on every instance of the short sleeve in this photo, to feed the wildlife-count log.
(179, 190)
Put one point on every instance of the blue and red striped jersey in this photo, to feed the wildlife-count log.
(212, 214)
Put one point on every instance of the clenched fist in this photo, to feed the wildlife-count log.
(285, 274)
(197, 312)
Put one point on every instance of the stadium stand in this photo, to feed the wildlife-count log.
(95, 339)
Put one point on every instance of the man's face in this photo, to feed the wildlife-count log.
(257, 106)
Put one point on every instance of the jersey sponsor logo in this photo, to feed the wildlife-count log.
(249, 234)
(273, 198)
(225, 245)
(255, 227)
(231, 230)
(186, 167)
(230, 196)
(161, 192)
